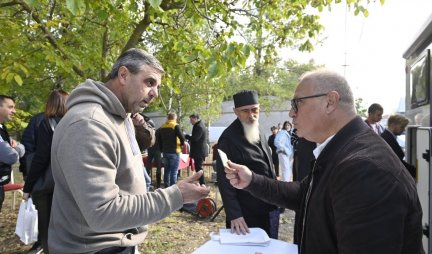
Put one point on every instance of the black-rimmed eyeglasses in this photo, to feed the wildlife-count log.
(295, 101)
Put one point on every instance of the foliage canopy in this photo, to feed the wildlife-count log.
(47, 44)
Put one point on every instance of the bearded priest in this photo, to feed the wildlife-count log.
(244, 143)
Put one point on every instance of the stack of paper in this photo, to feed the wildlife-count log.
(256, 237)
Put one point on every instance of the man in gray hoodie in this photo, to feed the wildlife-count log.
(100, 202)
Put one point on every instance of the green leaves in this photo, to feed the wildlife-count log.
(13, 73)
(46, 44)
(32, 3)
(18, 79)
(155, 4)
(360, 107)
(213, 70)
(76, 7)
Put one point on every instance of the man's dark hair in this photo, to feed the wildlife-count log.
(374, 108)
(4, 97)
(194, 116)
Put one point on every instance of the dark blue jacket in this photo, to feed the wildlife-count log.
(29, 140)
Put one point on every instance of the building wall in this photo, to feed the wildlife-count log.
(278, 114)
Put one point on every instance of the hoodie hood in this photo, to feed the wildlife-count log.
(96, 92)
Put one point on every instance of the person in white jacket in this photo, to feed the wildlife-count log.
(285, 152)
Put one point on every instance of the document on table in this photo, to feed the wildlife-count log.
(257, 241)
(275, 247)
(256, 236)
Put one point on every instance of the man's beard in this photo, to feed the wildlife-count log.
(251, 131)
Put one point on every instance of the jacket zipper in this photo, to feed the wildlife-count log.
(306, 206)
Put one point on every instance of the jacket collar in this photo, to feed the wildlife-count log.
(343, 137)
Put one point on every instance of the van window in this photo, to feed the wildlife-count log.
(419, 80)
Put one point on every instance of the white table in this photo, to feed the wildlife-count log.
(275, 247)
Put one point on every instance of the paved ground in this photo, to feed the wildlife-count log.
(286, 226)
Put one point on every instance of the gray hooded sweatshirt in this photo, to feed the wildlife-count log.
(100, 197)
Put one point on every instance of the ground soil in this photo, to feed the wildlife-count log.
(180, 233)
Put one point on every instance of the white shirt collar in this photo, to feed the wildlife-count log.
(317, 151)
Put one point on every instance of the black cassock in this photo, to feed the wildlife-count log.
(257, 157)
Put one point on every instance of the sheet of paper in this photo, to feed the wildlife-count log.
(223, 157)
(256, 236)
(275, 247)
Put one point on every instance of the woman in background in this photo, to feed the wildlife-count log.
(285, 151)
(39, 182)
(271, 143)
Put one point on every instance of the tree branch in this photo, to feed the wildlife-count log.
(9, 4)
(185, 63)
(50, 36)
(51, 12)
(167, 5)
(201, 14)
(243, 12)
(105, 51)
(139, 30)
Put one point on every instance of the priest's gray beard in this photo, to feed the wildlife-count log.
(251, 132)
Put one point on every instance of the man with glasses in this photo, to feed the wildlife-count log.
(244, 143)
(358, 198)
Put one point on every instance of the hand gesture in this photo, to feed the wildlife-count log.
(191, 190)
(13, 143)
(137, 119)
(239, 176)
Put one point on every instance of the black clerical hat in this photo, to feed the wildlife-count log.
(245, 97)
